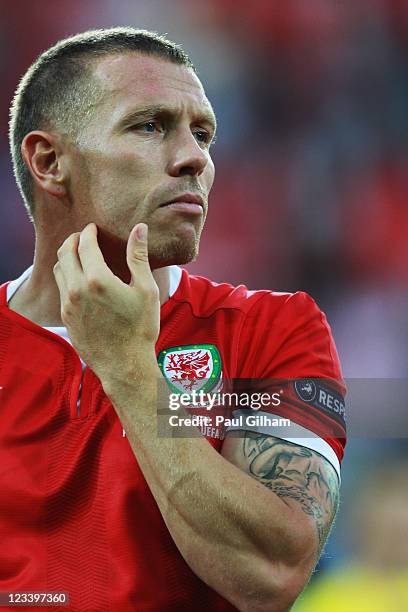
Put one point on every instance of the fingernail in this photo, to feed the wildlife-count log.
(141, 232)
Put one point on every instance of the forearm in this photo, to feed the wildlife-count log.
(218, 516)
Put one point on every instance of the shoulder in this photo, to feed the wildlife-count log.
(259, 308)
(207, 296)
(283, 332)
(288, 335)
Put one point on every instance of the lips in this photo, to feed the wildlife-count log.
(186, 203)
(186, 198)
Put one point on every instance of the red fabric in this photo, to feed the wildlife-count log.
(286, 336)
(76, 513)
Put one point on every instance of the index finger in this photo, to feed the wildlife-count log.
(90, 255)
(68, 257)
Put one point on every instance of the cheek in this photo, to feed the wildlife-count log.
(115, 160)
(120, 165)
(117, 176)
(123, 182)
(209, 174)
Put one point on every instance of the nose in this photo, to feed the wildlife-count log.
(186, 156)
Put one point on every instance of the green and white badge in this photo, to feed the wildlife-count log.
(193, 367)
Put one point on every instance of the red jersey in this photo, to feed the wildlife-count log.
(76, 514)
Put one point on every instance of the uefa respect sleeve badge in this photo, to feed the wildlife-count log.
(193, 367)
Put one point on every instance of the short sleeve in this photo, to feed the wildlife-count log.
(286, 347)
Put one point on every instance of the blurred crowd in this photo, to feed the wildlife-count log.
(311, 186)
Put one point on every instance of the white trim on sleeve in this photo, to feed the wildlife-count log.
(296, 434)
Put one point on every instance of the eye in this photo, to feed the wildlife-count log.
(203, 137)
(149, 126)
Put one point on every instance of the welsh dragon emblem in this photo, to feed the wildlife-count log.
(191, 368)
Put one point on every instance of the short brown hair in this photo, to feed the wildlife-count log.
(57, 89)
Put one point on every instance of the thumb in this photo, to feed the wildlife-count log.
(136, 251)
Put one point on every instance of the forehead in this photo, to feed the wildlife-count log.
(131, 80)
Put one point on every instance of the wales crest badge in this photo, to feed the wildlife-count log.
(193, 367)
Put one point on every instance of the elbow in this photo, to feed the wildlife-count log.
(288, 591)
(275, 585)
(271, 589)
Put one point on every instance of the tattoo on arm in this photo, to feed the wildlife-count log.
(295, 472)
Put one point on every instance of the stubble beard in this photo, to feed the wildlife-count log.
(173, 251)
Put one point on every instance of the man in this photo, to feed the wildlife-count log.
(110, 135)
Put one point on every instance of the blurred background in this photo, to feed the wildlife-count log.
(311, 193)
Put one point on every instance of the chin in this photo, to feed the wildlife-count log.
(177, 251)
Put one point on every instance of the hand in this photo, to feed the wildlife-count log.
(112, 325)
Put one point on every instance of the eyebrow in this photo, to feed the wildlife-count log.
(165, 112)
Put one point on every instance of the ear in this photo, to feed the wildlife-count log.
(42, 153)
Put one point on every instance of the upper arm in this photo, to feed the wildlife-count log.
(290, 350)
(302, 478)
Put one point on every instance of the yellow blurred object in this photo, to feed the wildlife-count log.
(357, 589)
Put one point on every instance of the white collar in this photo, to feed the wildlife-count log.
(13, 286)
(174, 281)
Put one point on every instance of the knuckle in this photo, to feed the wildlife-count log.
(74, 295)
(94, 284)
(140, 256)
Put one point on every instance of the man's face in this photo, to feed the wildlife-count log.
(146, 145)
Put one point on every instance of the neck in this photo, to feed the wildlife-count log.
(38, 298)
